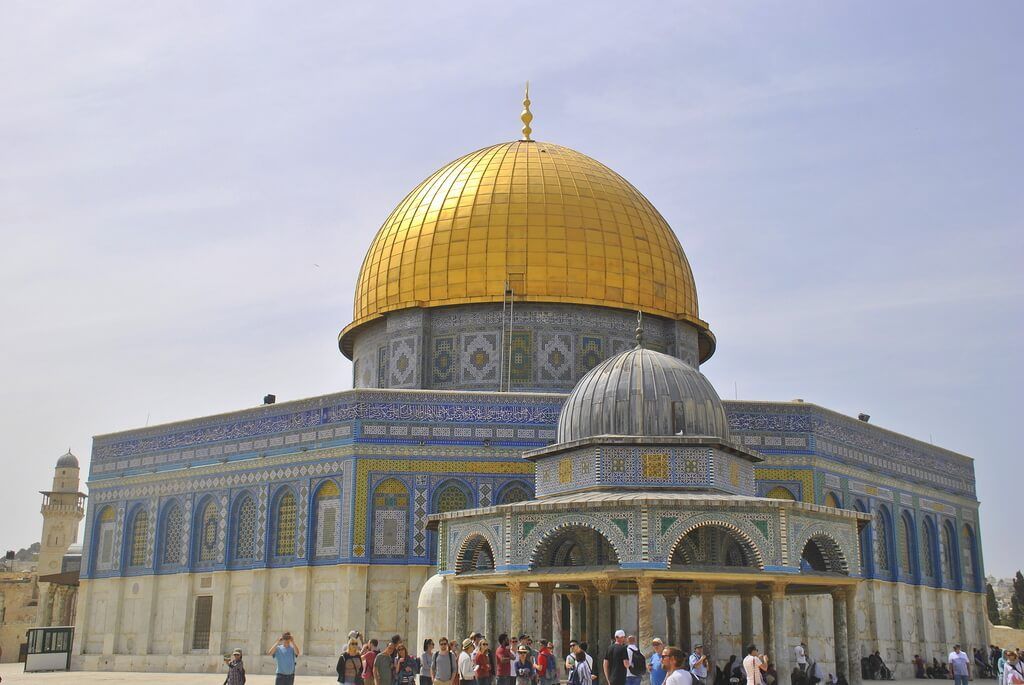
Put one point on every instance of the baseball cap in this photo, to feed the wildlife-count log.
(620, 633)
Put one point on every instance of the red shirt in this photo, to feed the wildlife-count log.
(504, 659)
(483, 663)
(368, 664)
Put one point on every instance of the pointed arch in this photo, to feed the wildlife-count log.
(882, 533)
(327, 520)
(972, 574)
(138, 537)
(929, 549)
(867, 561)
(574, 544)
(245, 524)
(949, 554)
(170, 548)
(104, 553)
(515, 491)
(284, 523)
(390, 522)
(452, 495)
(781, 492)
(204, 532)
(715, 544)
(832, 500)
(908, 560)
(475, 554)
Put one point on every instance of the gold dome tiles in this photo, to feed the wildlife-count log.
(556, 224)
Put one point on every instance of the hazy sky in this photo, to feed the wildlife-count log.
(187, 190)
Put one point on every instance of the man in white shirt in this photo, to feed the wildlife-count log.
(699, 665)
(672, 661)
(467, 669)
(959, 666)
(754, 666)
(801, 656)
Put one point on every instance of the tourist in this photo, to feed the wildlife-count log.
(1013, 671)
(285, 651)
(407, 667)
(801, 656)
(1001, 664)
(444, 667)
(727, 671)
(959, 666)
(672, 660)
(483, 665)
(236, 669)
(570, 658)
(427, 662)
(384, 662)
(370, 653)
(503, 657)
(467, 669)
(919, 667)
(654, 666)
(699, 665)
(637, 662)
(755, 667)
(583, 669)
(350, 664)
(522, 667)
(547, 665)
(616, 660)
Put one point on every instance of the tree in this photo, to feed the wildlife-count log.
(1017, 602)
(992, 605)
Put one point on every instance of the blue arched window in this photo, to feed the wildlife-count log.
(170, 547)
(138, 537)
(950, 556)
(929, 549)
(104, 554)
(516, 491)
(969, 545)
(204, 532)
(284, 525)
(327, 520)
(907, 545)
(866, 565)
(245, 541)
(882, 530)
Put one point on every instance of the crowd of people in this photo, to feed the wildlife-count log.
(516, 660)
(1006, 666)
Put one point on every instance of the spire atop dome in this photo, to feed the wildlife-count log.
(639, 329)
(526, 117)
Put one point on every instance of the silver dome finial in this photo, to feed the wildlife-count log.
(639, 329)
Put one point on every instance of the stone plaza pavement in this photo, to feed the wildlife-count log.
(13, 675)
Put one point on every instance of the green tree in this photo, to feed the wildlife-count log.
(1017, 602)
(992, 605)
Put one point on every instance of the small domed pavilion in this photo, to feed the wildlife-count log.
(645, 494)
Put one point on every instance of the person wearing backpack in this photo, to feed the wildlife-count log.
(699, 666)
(637, 662)
(547, 665)
(443, 666)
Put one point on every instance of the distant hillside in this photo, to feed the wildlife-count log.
(30, 554)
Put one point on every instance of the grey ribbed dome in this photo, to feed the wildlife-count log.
(67, 461)
(642, 392)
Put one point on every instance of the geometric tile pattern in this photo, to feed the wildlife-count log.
(521, 357)
(480, 358)
(556, 357)
(403, 362)
(442, 365)
(589, 354)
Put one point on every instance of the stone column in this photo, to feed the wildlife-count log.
(645, 613)
(853, 631)
(780, 648)
(458, 610)
(604, 617)
(490, 615)
(767, 623)
(670, 619)
(684, 637)
(746, 618)
(515, 591)
(961, 625)
(546, 611)
(839, 633)
(707, 623)
(576, 630)
(589, 633)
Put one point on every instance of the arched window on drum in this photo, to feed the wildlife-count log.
(327, 510)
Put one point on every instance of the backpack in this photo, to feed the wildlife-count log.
(637, 663)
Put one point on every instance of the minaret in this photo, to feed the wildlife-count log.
(63, 509)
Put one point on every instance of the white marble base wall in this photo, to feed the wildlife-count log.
(145, 623)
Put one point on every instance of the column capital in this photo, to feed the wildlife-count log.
(706, 587)
(546, 588)
(459, 589)
(670, 597)
(645, 584)
(489, 594)
(839, 593)
(779, 588)
(515, 587)
(604, 585)
(746, 591)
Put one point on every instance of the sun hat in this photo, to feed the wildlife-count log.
(467, 643)
(523, 650)
(620, 633)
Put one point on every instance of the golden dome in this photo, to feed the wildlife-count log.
(555, 224)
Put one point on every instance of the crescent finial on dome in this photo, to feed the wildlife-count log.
(526, 117)
(639, 328)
